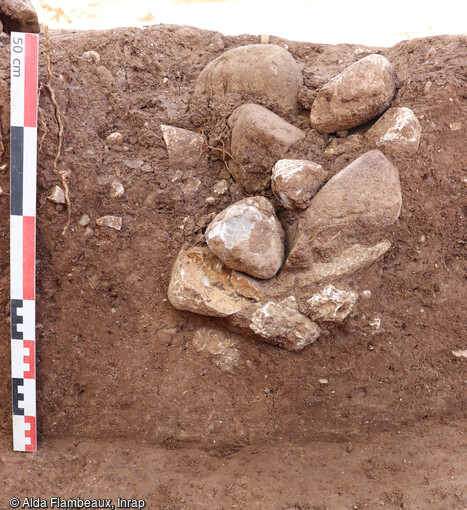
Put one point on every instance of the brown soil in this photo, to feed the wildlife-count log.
(128, 407)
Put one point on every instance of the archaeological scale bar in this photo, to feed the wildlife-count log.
(23, 163)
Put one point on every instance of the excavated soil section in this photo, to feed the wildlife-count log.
(127, 406)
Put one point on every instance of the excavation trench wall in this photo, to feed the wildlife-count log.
(114, 359)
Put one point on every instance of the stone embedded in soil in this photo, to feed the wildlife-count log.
(114, 222)
(220, 346)
(259, 139)
(278, 323)
(18, 16)
(248, 237)
(84, 220)
(339, 146)
(353, 259)
(57, 196)
(114, 138)
(397, 132)
(200, 284)
(267, 72)
(364, 196)
(91, 56)
(295, 181)
(246, 286)
(116, 189)
(331, 304)
(186, 149)
(358, 94)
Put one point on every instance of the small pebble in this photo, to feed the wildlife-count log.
(110, 221)
(422, 238)
(221, 187)
(116, 189)
(455, 126)
(323, 381)
(84, 220)
(89, 232)
(114, 138)
(57, 196)
(265, 39)
(91, 56)
(210, 200)
(366, 294)
(427, 87)
(460, 354)
(342, 133)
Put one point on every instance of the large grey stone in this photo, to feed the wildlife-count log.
(397, 132)
(200, 283)
(358, 94)
(259, 139)
(364, 196)
(248, 237)
(265, 71)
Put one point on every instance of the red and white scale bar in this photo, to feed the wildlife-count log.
(23, 162)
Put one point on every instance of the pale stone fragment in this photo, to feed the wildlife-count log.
(57, 196)
(110, 221)
(350, 261)
(396, 133)
(219, 346)
(295, 181)
(278, 323)
(200, 283)
(331, 304)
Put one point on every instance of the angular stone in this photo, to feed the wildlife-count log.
(91, 56)
(364, 196)
(84, 220)
(331, 304)
(57, 196)
(110, 221)
(278, 323)
(200, 284)
(219, 346)
(246, 286)
(259, 139)
(397, 132)
(116, 189)
(338, 146)
(295, 181)
(267, 72)
(18, 16)
(186, 149)
(114, 138)
(248, 237)
(358, 94)
(351, 260)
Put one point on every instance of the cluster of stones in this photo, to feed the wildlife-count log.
(243, 273)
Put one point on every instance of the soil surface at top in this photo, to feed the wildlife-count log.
(127, 406)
